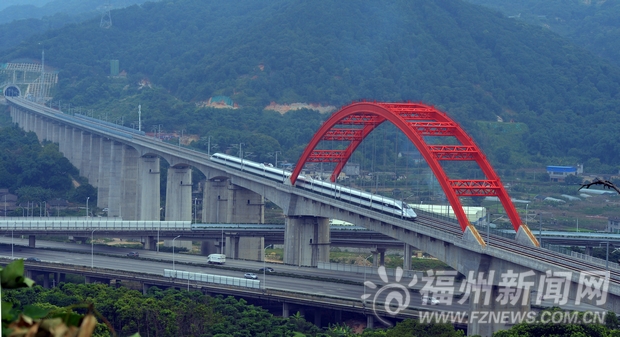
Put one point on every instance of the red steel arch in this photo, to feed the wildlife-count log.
(355, 121)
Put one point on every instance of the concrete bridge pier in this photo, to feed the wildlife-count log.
(46, 280)
(76, 156)
(148, 186)
(482, 323)
(244, 206)
(378, 257)
(49, 130)
(150, 243)
(306, 240)
(370, 321)
(179, 193)
(59, 278)
(245, 248)
(95, 153)
(103, 180)
(130, 195)
(224, 202)
(115, 208)
(55, 133)
(407, 252)
(32, 241)
(317, 317)
(285, 310)
(86, 155)
(66, 139)
(214, 200)
(208, 247)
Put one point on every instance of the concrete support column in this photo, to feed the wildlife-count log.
(232, 247)
(214, 201)
(285, 310)
(55, 133)
(245, 248)
(589, 250)
(31, 123)
(49, 130)
(85, 156)
(95, 153)
(105, 165)
(148, 188)
(306, 240)
(62, 142)
(145, 288)
(76, 156)
(208, 247)
(68, 143)
(338, 316)
(179, 193)
(244, 206)
(36, 126)
(116, 181)
(317, 317)
(381, 252)
(46, 280)
(150, 243)
(370, 321)
(407, 252)
(493, 304)
(130, 195)
(32, 241)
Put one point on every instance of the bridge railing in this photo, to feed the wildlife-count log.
(369, 270)
(208, 278)
(585, 257)
(494, 231)
(85, 225)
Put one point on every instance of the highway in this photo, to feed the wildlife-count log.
(338, 284)
(306, 280)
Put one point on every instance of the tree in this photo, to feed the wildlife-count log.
(573, 179)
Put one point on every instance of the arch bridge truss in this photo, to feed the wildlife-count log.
(354, 122)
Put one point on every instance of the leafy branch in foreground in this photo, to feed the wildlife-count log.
(36, 321)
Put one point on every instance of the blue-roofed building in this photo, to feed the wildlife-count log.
(559, 173)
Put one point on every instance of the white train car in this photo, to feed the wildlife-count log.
(354, 196)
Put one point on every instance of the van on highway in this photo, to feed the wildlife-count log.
(216, 258)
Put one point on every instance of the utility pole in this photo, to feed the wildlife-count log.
(41, 94)
(139, 117)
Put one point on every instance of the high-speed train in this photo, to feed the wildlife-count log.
(373, 201)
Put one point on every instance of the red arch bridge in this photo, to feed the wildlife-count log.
(353, 123)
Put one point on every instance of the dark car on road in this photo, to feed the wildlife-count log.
(268, 269)
(133, 254)
(34, 259)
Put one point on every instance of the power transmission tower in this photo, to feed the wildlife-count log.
(106, 19)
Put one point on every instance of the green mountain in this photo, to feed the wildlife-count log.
(22, 20)
(471, 62)
(593, 25)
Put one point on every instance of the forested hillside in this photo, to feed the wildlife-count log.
(472, 62)
(35, 172)
(20, 20)
(591, 24)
